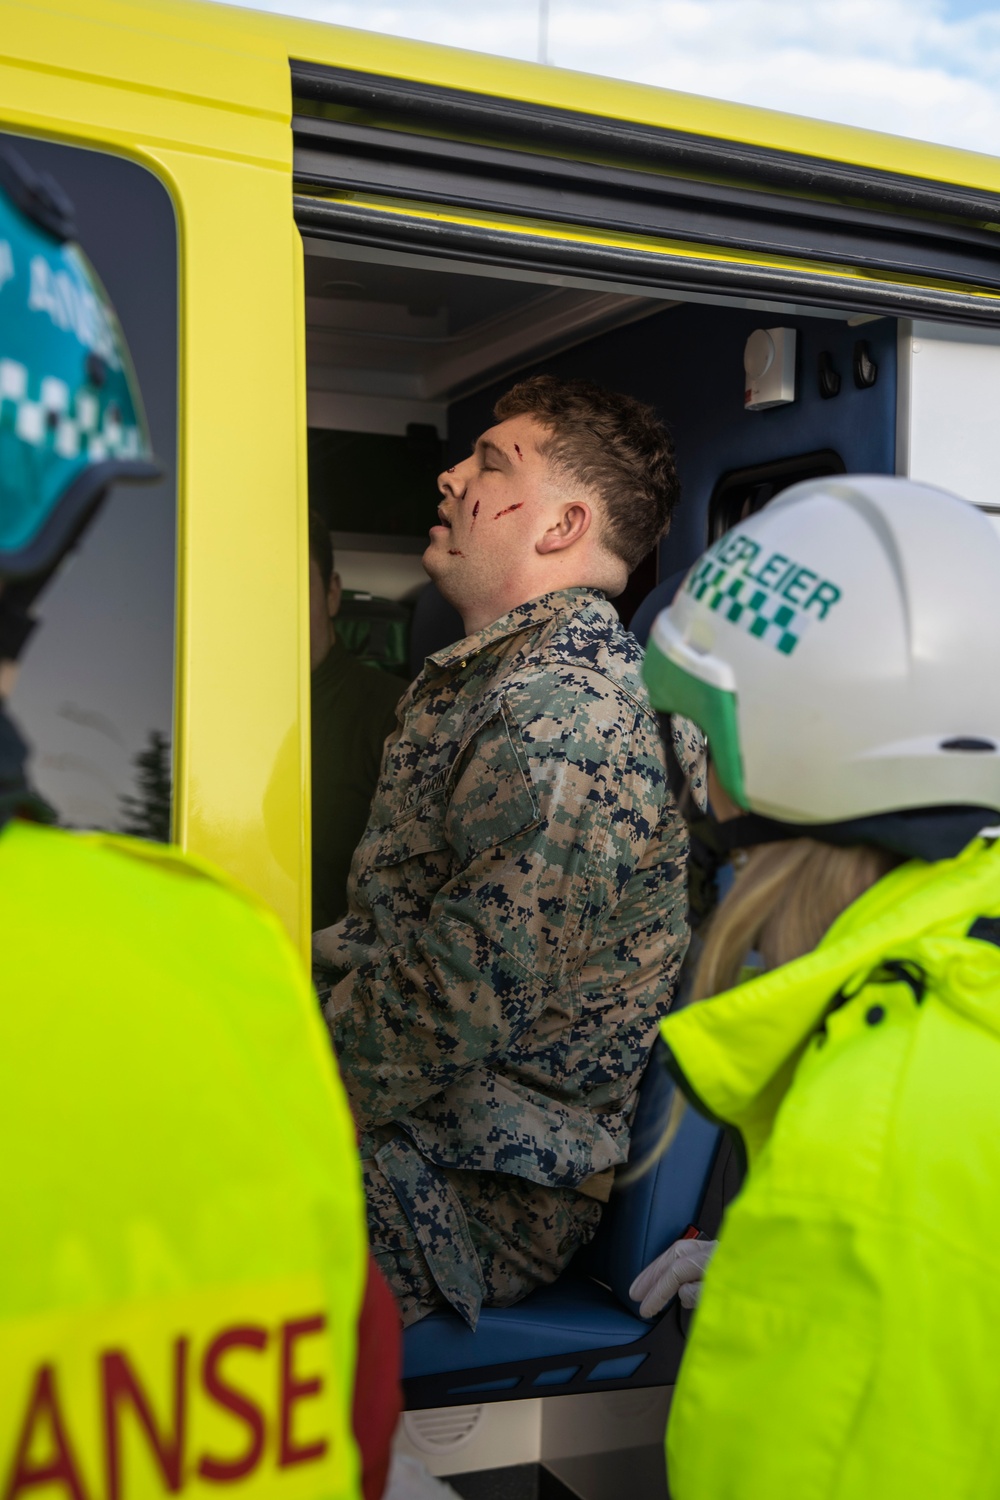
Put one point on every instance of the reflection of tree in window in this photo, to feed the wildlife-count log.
(147, 814)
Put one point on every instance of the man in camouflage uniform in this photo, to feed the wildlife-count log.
(517, 906)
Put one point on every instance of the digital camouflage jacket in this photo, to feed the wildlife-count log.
(517, 905)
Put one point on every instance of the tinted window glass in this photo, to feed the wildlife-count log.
(376, 483)
(95, 695)
(743, 492)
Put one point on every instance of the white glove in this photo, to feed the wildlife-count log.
(409, 1480)
(677, 1272)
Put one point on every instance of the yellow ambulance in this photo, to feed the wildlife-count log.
(330, 252)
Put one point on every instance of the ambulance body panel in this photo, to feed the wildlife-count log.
(361, 241)
(203, 97)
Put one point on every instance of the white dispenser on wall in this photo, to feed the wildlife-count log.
(769, 367)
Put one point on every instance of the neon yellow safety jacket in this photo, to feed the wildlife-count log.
(846, 1342)
(183, 1248)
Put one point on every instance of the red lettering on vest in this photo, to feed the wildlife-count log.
(224, 1471)
(292, 1390)
(120, 1385)
(61, 1468)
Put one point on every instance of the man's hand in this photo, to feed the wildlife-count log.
(678, 1271)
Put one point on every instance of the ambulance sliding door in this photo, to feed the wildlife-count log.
(405, 166)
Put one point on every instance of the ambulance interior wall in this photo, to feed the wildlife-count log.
(687, 362)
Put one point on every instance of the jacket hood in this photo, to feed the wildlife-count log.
(735, 1055)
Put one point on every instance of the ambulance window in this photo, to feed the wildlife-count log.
(377, 484)
(743, 492)
(404, 360)
(95, 694)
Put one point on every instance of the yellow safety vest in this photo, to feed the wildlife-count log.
(182, 1253)
(844, 1346)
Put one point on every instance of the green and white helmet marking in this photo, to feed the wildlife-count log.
(773, 598)
(838, 650)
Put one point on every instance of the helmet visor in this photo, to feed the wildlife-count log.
(678, 695)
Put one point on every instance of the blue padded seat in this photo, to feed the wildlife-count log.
(589, 1307)
(651, 1208)
(435, 625)
(572, 1314)
(661, 597)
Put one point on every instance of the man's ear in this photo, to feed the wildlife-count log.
(333, 594)
(573, 523)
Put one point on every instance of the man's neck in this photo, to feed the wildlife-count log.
(477, 621)
(600, 571)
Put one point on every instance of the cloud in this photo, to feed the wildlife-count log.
(924, 68)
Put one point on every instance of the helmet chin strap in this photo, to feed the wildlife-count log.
(16, 621)
(927, 833)
(17, 596)
(17, 799)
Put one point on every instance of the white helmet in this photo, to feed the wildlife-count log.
(841, 653)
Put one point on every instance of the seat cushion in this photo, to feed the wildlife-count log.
(570, 1317)
(651, 1208)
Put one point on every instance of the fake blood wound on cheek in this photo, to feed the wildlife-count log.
(518, 451)
(475, 512)
(454, 552)
(508, 510)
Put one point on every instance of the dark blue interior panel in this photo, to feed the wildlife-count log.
(687, 362)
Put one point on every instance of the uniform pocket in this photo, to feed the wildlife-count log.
(439, 1225)
(494, 798)
(422, 831)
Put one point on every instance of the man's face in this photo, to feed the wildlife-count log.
(494, 506)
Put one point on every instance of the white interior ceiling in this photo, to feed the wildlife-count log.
(392, 344)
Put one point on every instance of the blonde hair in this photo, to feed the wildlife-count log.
(785, 898)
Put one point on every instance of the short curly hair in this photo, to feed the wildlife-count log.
(615, 446)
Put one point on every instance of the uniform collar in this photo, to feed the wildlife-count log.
(524, 617)
(736, 1054)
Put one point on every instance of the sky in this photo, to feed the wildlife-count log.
(923, 68)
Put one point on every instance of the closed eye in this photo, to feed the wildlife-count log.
(488, 451)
